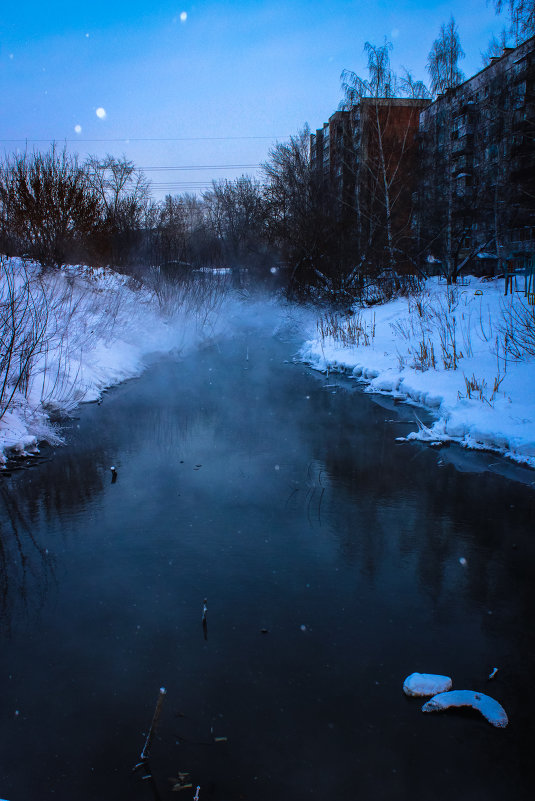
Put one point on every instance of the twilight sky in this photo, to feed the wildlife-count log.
(219, 81)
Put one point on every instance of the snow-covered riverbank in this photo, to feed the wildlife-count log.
(99, 328)
(453, 350)
(447, 349)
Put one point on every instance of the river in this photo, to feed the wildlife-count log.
(334, 561)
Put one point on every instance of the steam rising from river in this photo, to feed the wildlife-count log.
(103, 328)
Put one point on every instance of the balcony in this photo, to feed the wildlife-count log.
(464, 144)
(522, 167)
(462, 162)
(466, 106)
(467, 129)
(523, 118)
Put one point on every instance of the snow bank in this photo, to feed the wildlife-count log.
(489, 707)
(445, 350)
(421, 684)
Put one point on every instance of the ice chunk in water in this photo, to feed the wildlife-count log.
(426, 684)
(489, 707)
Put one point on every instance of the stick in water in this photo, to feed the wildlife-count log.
(204, 621)
(148, 742)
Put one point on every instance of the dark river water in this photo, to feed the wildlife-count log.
(334, 562)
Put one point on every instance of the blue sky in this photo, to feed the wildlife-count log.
(204, 74)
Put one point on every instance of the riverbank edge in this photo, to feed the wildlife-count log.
(506, 427)
(426, 435)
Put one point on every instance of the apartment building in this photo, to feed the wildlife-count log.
(476, 187)
(364, 158)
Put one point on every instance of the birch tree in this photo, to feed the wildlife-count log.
(444, 72)
(387, 149)
(442, 62)
(522, 16)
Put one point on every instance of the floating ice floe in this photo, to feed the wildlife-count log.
(489, 707)
(426, 684)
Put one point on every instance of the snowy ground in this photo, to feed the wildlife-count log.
(101, 328)
(447, 349)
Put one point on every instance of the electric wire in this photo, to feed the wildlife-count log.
(126, 139)
(202, 167)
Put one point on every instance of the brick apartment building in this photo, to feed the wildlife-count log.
(451, 179)
(364, 159)
(476, 188)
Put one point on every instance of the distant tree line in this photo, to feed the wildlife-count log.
(56, 209)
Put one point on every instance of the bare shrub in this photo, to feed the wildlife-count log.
(46, 324)
(23, 324)
(351, 330)
(498, 379)
(446, 324)
(517, 328)
(424, 356)
(49, 206)
(418, 305)
(466, 334)
(403, 329)
(196, 294)
(475, 387)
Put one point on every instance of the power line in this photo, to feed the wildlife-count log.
(202, 167)
(164, 184)
(161, 184)
(127, 139)
(172, 187)
(158, 185)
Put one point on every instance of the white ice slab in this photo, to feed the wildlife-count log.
(489, 707)
(426, 684)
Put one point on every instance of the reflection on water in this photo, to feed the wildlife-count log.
(334, 560)
(26, 568)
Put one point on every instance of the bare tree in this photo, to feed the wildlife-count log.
(169, 232)
(299, 224)
(23, 323)
(410, 87)
(442, 62)
(124, 193)
(522, 16)
(118, 183)
(495, 48)
(455, 212)
(384, 112)
(235, 212)
(48, 205)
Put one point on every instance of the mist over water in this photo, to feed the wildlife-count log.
(334, 562)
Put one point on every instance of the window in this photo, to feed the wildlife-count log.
(519, 95)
